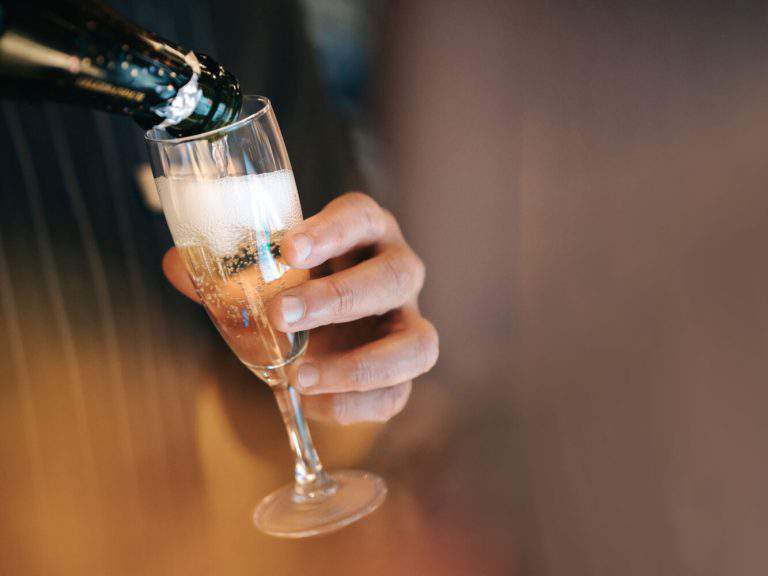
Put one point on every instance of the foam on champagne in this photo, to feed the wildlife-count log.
(228, 231)
(218, 213)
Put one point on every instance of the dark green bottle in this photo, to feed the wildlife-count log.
(81, 51)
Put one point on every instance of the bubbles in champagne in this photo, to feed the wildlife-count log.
(222, 212)
(228, 231)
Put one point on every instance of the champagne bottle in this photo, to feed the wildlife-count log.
(83, 52)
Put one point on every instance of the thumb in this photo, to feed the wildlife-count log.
(177, 275)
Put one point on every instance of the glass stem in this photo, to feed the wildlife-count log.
(311, 482)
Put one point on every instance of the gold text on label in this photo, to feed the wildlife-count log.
(104, 88)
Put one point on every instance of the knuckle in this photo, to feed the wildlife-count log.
(403, 270)
(343, 297)
(367, 209)
(394, 400)
(343, 411)
(359, 201)
(427, 347)
(420, 272)
(336, 232)
(362, 374)
(376, 406)
(390, 222)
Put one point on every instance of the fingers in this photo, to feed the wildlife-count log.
(374, 286)
(398, 357)
(350, 221)
(177, 275)
(354, 407)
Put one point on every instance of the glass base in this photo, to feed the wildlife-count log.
(288, 515)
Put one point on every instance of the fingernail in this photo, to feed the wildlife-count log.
(308, 376)
(292, 309)
(303, 246)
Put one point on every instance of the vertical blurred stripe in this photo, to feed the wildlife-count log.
(53, 288)
(99, 279)
(23, 380)
(117, 183)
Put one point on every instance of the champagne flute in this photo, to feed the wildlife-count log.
(229, 196)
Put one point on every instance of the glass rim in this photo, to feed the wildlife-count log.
(221, 129)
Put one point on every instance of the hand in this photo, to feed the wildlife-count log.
(369, 339)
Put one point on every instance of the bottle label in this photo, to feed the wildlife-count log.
(103, 87)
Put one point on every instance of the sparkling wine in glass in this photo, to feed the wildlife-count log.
(229, 196)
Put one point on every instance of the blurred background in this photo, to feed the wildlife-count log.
(586, 183)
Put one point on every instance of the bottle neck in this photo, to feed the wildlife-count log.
(81, 51)
(214, 99)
